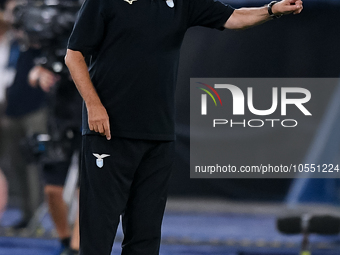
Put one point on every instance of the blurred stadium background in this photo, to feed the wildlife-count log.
(235, 216)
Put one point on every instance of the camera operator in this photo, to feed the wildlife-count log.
(48, 26)
(56, 162)
(22, 114)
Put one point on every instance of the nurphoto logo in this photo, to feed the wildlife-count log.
(238, 104)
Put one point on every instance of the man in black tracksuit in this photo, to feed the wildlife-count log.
(128, 115)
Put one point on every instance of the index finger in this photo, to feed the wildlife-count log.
(107, 131)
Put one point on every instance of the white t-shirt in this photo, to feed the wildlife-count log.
(6, 74)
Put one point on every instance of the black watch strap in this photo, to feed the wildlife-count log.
(271, 14)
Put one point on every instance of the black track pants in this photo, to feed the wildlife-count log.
(125, 177)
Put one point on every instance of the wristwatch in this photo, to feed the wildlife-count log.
(271, 14)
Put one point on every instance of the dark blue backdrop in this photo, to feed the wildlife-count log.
(305, 45)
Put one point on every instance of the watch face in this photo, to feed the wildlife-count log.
(271, 14)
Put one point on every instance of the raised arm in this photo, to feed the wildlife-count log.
(247, 17)
(98, 118)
